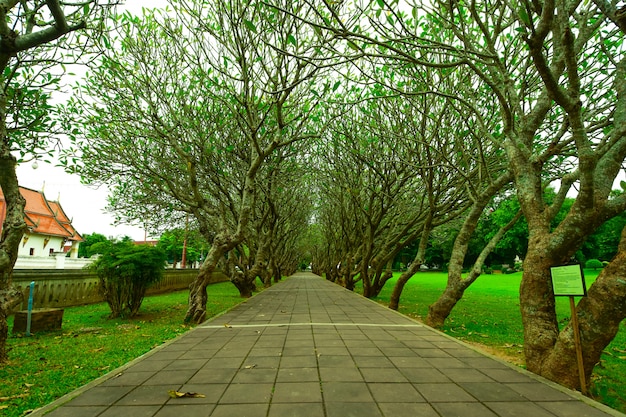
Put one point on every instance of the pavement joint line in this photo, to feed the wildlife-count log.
(228, 325)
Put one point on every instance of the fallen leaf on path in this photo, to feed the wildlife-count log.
(228, 325)
(250, 366)
(176, 394)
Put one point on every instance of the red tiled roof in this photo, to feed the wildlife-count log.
(42, 216)
(63, 219)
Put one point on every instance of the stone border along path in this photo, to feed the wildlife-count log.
(307, 347)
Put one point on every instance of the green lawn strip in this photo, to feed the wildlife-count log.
(489, 315)
(46, 366)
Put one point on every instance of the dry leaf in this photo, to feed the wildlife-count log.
(176, 394)
(228, 325)
(250, 366)
(13, 397)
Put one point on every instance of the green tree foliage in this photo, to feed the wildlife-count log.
(593, 264)
(172, 243)
(125, 272)
(88, 247)
(603, 243)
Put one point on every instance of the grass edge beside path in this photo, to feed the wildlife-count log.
(47, 366)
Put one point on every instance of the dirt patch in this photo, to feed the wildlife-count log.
(511, 354)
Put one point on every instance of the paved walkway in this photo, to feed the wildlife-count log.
(309, 348)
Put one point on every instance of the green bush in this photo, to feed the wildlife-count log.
(125, 272)
(593, 264)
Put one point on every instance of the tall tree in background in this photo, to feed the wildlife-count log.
(35, 41)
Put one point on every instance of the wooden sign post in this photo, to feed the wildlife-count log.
(569, 281)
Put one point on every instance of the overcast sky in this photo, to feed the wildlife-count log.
(84, 205)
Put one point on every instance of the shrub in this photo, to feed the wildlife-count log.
(125, 272)
(593, 264)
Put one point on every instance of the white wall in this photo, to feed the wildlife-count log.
(59, 261)
(38, 245)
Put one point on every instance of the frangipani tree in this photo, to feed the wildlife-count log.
(556, 72)
(186, 113)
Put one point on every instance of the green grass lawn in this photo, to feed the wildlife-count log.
(49, 365)
(489, 315)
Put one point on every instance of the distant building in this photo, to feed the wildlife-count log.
(146, 242)
(50, 231)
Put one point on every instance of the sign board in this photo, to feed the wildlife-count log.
(568, 280)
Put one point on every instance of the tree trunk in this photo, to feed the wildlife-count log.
(331, 274)
(259, 269)
(12, 230)
(277, 274)
(456, 285)
(599, 314)
(380, 277)
(244, 284)
(379, 283)
(267, 279)
(538, 307)
(366, 279)
(196, 311)
(394, 301)
(439, 311)
(348, 281)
